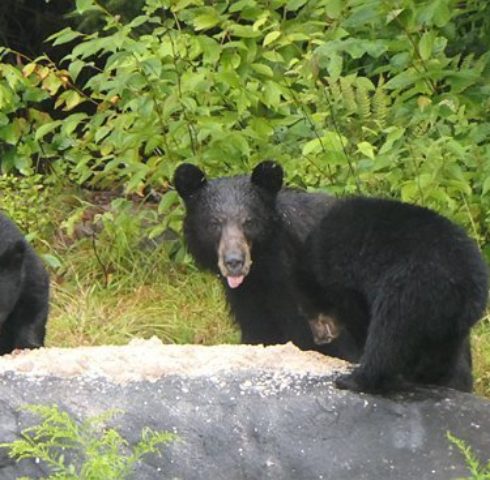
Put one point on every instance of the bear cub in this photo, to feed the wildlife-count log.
(24, 292)
(247, 230)
(406, 282)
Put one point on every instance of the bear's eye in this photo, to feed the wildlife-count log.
(248, 222)
(215, 223)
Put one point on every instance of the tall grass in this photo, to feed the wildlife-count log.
(176, 305)
(481, 356)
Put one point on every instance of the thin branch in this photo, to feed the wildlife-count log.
(105, 270)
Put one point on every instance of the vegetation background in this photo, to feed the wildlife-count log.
(101, 99)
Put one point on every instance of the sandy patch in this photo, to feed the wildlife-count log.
(150, 360)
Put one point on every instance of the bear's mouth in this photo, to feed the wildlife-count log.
(234, 282)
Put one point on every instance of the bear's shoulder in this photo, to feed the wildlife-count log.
(301, 211)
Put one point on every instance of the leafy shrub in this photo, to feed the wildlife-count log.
(380, 97)
(115, 234)
(477, 470)
(24, 200)
(86, 451)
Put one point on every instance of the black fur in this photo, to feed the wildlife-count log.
(274, 223)
(407, 282)
(24, 292)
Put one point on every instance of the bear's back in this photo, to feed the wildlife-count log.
(363, 237)
(301, 212)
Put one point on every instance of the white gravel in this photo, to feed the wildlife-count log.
(151, 359)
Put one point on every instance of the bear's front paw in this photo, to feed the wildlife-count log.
(348, 382)
(357, 381)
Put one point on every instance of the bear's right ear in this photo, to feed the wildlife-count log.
(188, 179)
(268, 175)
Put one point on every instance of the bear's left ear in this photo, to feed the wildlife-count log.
(268, 175)
(188, 179)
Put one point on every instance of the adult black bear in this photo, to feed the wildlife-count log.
(24, 292)
(407, 282)
(247, 230)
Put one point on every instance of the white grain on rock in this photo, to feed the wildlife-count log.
(150, 360)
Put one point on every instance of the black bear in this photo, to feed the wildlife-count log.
(406, 282)
(24, 292)
(248, 231)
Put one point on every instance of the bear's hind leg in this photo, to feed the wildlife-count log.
(25, 327)
(447, 363)
(390, 346)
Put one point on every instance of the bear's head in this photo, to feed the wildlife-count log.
(229, 220)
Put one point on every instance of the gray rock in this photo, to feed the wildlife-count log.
(246, 423)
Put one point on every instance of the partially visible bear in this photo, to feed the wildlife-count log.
(248, 230)
(24, 292)
(406, 282)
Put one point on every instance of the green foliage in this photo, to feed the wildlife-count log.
(82, 451)
(481, 356)
(24, 200)
(477, 471)
(128, 240)
(370, 96)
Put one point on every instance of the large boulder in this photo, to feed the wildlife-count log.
(243, 412)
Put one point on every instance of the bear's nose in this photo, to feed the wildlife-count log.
(234, 262)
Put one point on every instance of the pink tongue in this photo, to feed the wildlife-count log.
(234, 282)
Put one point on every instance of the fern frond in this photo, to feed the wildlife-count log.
(381, 103)
(363, 102)
(348, 94)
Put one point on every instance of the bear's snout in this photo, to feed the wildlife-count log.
(234, 262)
(234, 257)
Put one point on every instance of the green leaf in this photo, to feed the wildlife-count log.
(426, 44)
(205, 22)
(263, 69)
(168, 200)
(333, 8)
(294, 5)
(9, 134)
(64, 36)
(52, 261)
(211, 49)
(241, 4)
(86, 5)
(272, 94)
(72, 121)
(52, 83)
(261, 127)
(409, 191)
(244, 31)
(72, 99)
(332, 141)
(403, 80)
(486, 186)
(271, 37)
(74, 68)
(313, 146)
(46, 128)
(138, 21)
(366, 149)
(393, 14)
(334, 66)
(394, 133)
(442, 13)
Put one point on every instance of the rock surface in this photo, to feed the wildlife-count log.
(243, 412)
